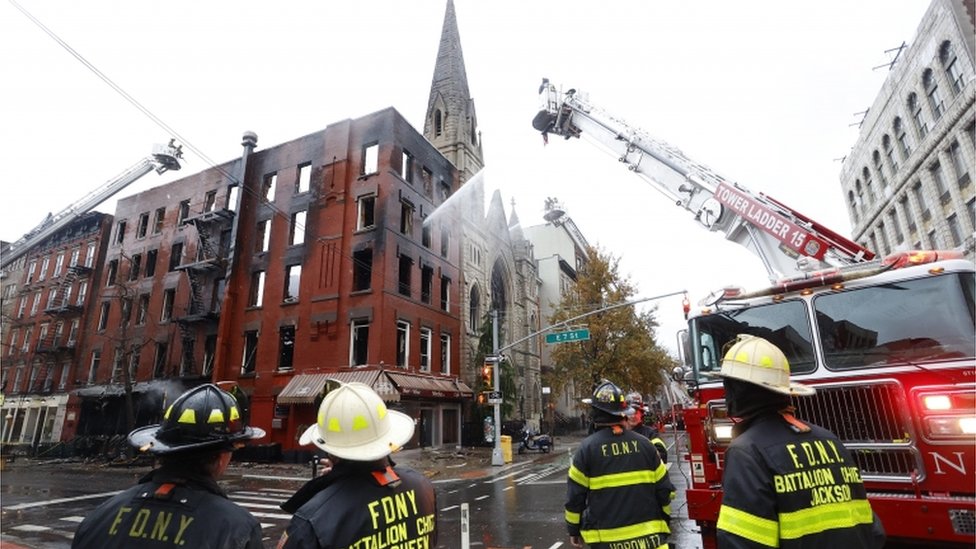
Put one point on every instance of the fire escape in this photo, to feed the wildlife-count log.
(205, 276)
(63, 309)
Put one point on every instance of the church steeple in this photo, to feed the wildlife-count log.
(451, 124)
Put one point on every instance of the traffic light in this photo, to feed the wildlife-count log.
(487, 374)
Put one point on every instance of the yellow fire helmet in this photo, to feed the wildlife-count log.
(754, 360)
(353, 423)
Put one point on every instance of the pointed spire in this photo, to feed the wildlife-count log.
(451, 124)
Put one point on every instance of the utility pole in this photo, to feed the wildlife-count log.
(496, 455)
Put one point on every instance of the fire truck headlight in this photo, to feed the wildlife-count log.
(723, 433)
(951, 426)
(937, 402)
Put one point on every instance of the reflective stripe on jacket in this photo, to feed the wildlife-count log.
(783, 488)
(618, 490)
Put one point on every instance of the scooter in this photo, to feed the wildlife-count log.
(531, 442)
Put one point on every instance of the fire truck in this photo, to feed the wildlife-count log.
(887, 342)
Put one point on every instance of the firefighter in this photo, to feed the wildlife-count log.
(636, 423)
(180, 504)
(365, 500)
(787, 483)
(618, 491)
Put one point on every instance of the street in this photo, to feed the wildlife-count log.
(519, 505)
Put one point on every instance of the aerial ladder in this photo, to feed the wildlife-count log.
(162, 159)
(787, 242)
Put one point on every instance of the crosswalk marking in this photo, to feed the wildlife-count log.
(75, 518)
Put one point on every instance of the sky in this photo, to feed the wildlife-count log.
(764, 92)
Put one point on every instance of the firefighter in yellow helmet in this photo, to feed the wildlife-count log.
(180, 503)
(365, 496)
(618, 490)
(786, 483)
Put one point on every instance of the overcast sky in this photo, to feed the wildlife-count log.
(766, 93)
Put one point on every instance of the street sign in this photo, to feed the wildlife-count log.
(566, 337)
(494, 397)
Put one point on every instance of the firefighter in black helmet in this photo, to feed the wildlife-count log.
(179, 504)
(618, 492)
(787, 483)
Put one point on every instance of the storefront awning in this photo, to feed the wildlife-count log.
(305, 388)
(430, 387)
(114, 390)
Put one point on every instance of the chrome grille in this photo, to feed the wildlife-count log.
(963, 521)
(871, 420)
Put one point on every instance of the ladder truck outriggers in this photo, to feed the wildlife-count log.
(162, 159)
(888, 342)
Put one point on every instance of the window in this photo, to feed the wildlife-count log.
(256, 297)
(406, 265)
(406, 218)
(362, 269)
(933, 240)
(17, 378)
(426, 283)
(425, 343)
(879, 167)
(82, 291)
(896, 226)
(158, 219)
(852, 205)
(359, 344)
(159, 360)
(75, 256)
(915, 108)
(233, 197)
(209, 353)
(73, 334)
(184, 212)
(889, 150)
(296, 232)
(135, 264)
(935, 170)
(403, 343)
(268, 187)
(58, 333)
(210, 201)
(111, 273)
(45, 263)
(119, 232)
(304, 178)
(143, 225)
(445, 241)
(293, 279)
(151, 262)
(370, 159)
(12, 347)
(955, 231)
(52, 298)
(868, 186)
(907, 211)
(169, 298)
(949, 62)
(920, 201)
(249, 360)
(31, 269)
(65, 373)
(35, 305)
(263, 239)
(425, 232)
(103, 315)
(365, 218)
(175, 256)
(427, 177)
(902, 137)
(117, 364)
(445, 293)
(445, 191)
(142, 312)
(438, 123)
(286, 347)
(445, 353)
(406, 166)
(58, 265)
(932, 91)
(958, 166)
(28, 334)
(96, 358)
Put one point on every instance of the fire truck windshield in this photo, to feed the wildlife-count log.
(912, 321)
(906, 322)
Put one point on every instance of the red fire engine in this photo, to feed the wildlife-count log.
(889, 343)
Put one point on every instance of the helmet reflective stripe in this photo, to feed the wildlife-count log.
(216, 416)
(188, 416)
